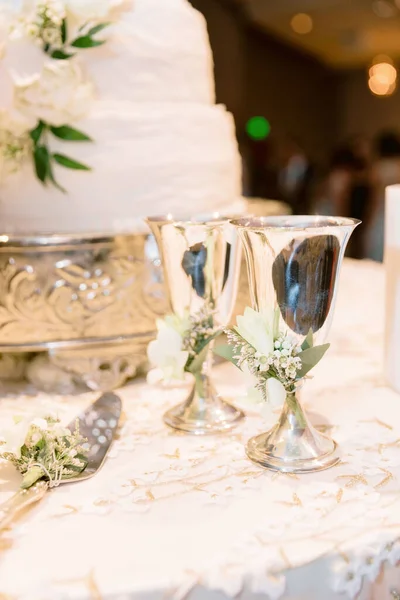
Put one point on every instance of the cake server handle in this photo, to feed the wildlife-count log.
(23, 498)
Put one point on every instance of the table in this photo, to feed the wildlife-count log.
(175, 517)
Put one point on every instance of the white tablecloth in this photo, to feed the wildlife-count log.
(172, 516)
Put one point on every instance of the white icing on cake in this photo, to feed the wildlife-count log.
(160, 144)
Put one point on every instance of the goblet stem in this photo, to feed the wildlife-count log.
(293, 445)
(204, 411)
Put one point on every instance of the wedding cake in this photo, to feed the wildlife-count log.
(107, 114)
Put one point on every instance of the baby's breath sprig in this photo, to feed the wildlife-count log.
(283, 363)
(199, 332)
(276, 360)
(46, 450)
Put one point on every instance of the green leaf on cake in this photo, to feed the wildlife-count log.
(64, 31)
(36, 133)
(67, 133)
(51, 178)
(98, 28)
(70, 163)
(86, 41)
(42, 161)
(61, 55)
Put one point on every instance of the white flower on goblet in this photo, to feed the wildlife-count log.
(257, 329)
(166, 355)
(57, 96)
(275, 392)
(180, 324)
(92, 10)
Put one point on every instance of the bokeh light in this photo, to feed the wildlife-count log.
(382, 77)
(258, 128)
(302, 23)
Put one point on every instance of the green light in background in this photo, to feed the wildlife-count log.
(258, 128)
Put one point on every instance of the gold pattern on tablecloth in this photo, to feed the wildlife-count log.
(89, 582)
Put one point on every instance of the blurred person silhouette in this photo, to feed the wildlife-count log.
(336, 188)
(262, 169)
(295, 177)
(362, 191)
(349, 189)
(386, 171)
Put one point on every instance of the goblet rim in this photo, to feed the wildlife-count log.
(293, 222)
(211, 218)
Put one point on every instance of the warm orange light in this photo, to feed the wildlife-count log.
(381, 88)
(382, 78)
(384, 72)
(382, 58)
(302, 23)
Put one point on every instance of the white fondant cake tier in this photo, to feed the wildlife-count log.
(160, 144)
(158, 51)
(145, 159)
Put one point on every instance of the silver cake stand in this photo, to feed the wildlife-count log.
(77, 308)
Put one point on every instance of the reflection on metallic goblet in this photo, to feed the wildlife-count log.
(293, 266)
(201, 262)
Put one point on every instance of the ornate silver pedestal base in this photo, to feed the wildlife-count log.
(204, 412)
(87, 304)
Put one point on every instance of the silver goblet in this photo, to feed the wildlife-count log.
(201, 263)
(293, 264)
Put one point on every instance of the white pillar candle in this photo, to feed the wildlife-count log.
(392, 269)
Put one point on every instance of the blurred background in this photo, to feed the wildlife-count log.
(313, 87)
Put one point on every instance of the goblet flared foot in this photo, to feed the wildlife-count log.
(201, 263)
(293, 265)
(204, 412)
(293, 444)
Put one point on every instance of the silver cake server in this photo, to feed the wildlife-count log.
(98, 424)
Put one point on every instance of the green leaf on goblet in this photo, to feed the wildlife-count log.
(226, 351)
(309, 341)
(309, 358)
(195, 365)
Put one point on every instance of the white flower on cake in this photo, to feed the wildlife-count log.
(41, 78)
(40, 20)
(15, 141)
(57, 96)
